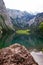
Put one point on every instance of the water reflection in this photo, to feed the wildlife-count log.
(28, 41)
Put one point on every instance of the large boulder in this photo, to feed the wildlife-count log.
(16, 55)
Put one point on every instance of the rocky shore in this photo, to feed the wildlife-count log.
(16, 55)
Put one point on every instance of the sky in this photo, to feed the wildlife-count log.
(25, 5)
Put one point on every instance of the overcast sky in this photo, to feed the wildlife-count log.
(25, 5)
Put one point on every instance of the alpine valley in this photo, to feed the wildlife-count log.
(20, 27)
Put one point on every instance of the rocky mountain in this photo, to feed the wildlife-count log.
(10, 18)
(20, 14)
(37, 19)
(16, 55)
(36, 25)
(20, 18)
(5, 21)
(24, 19)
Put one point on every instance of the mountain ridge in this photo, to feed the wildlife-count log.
(24, 19)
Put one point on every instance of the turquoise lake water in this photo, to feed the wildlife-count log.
(29, 41)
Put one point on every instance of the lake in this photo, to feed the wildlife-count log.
(29, 41)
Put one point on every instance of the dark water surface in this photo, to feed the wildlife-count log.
(29, 41)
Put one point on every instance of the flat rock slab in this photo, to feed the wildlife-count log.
(38, 56)
(16, 55)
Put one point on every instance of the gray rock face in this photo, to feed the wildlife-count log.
(5, 21)
(20, 18)
(36, 20)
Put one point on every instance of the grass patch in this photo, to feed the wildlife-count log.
(26, 32)
(42, 49)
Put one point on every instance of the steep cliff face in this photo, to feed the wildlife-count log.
(5, 21)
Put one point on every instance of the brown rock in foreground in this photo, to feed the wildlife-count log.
(16, 55)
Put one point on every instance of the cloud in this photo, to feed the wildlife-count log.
(28, 5)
